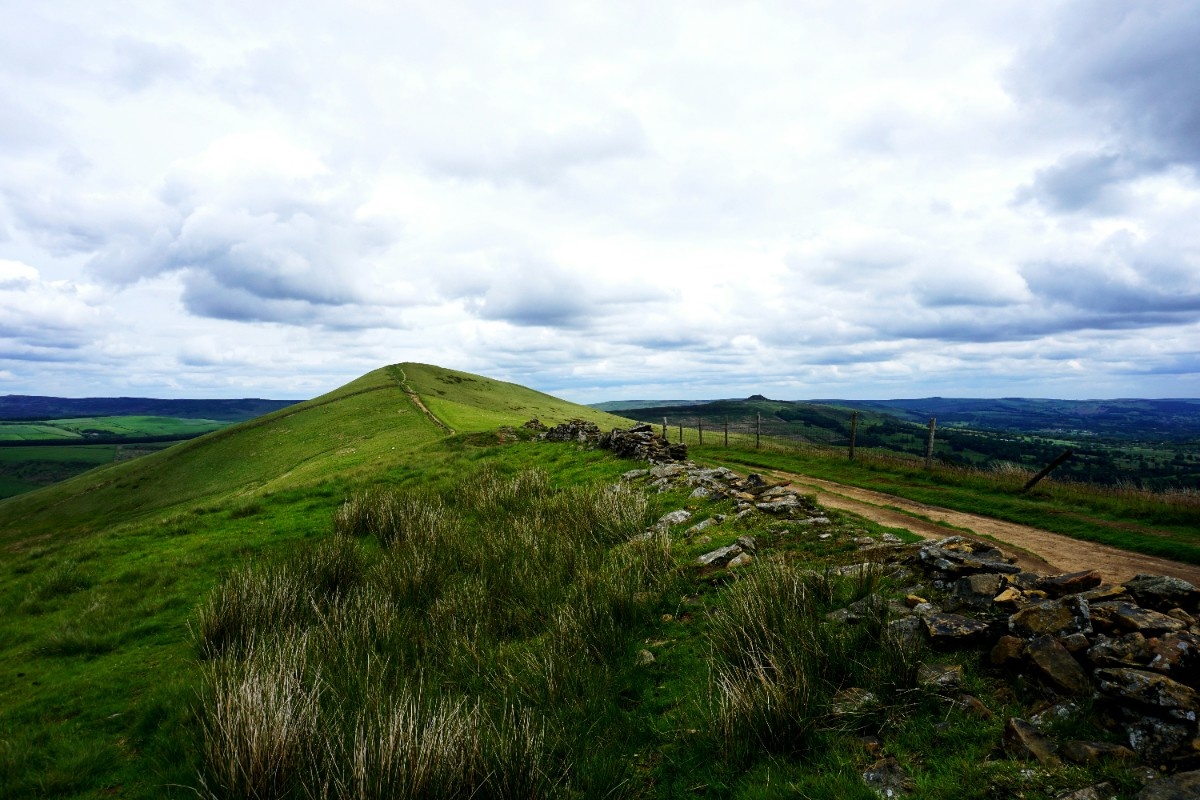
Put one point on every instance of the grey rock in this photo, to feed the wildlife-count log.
(1180, 786)
(673, 518)
(1061, 617)
(634, 474)
(701, 525)
(954, 629)
(700, 493)
(1098, 791)
(1149, 689)
(1157, 740)
(720, 557)
(887, 779)
(1023, 741)
(1055, 665)
(1163, 593)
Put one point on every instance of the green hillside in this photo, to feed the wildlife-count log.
(100, 574)
(360, 429)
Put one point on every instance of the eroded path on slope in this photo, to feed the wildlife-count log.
(419, 403)
(1034, 549)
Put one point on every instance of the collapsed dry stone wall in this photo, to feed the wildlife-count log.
(1131, 650)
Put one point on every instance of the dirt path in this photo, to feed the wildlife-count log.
(1034, 549)
(419, 403)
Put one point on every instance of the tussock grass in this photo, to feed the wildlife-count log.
(437, 663)
(777, 663)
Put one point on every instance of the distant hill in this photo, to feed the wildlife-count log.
(622, 405)
(1128, 419)
(33, 407)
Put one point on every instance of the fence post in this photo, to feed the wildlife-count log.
(681, 431)
(700, 429)
(929, 445)
(727, 433)
(853, 431)
(665, 429)
(757, 428)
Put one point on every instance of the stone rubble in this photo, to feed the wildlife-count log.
(1133, 651)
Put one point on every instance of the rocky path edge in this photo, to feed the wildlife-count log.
(1034, 548)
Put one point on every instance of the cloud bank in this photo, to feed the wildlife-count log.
(603, 200)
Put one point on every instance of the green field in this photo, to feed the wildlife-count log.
(83, 427)
(482, 602)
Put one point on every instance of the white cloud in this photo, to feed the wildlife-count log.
(602, 199)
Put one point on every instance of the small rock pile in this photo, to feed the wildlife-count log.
(575, 430)
(639, 442)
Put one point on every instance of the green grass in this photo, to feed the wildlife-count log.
(131, 426)
(485, 607)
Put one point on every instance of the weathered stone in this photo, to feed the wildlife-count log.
(720, 557)
(668, 471)
(1091, 752)
(1008, 650)
(1052, 618)
(645, 658)
(673, 518)
(887, 779)
(640, 442)
(1011, 597)
(1069, 583)
(820, 520)
(914, 600)
(1097, 791)
(748, 544)
(978, 590)
(954, 629)
(575, 430)
(634, 474)
(1162, 593)
(534, 425)
(784, 505)
(1058, 712)
(699, 493)
(1075, 643)
(1156, 740)
(1180, 786)
(1182, 616)
(906, 632)
(700, 526)
(942, 678)
(740, 560)
(1149, 689)
(1128, 617)
(1126, 651)
(854, 700)
(1057, 666)
(1105, 591)
(1177, 654)
(957, 556)
(1023, 741)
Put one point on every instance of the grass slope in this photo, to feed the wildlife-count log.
(100, 574)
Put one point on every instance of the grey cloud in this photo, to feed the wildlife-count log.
(1083, 181)
(1129, 297)
(206, 296)
(1131, 67)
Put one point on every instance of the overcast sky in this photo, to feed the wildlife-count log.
(602, 200)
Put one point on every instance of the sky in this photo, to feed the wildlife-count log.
(602, 200)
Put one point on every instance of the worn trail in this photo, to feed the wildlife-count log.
(1034, 549)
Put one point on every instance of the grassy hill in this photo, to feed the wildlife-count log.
(100, 574)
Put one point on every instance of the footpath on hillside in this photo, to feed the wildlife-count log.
(1034, 549)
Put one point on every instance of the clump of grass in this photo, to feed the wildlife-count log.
(436, 664)
(777, 662)
(261, 721)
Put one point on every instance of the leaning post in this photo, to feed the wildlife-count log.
(853, 431)
(929, 444)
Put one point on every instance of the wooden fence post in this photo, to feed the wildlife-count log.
(727, 433)
(700, 429)
(929, 444)
(853, 431)
(665, 429)
(681, 431)
(1049, 468)
(757, 429)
